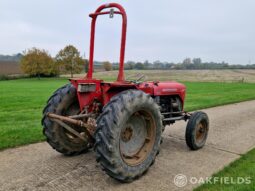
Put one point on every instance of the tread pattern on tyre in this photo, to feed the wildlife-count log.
(189, 134)
(49, 127)
(109, 124)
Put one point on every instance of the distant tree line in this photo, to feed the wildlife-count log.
(38, 62)
(186, 64)
(13, 58)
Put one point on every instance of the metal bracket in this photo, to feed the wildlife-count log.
(183, 116)
(88, 127)
(111, 13)
(70, 129)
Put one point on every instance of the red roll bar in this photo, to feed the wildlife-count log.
(123, 37)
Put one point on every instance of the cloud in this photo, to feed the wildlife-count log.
(167, 30)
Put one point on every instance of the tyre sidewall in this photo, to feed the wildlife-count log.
(195, 119)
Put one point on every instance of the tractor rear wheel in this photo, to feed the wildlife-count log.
(197, 130)
(63, 102)
(128, 135)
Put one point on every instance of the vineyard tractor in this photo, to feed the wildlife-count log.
(123, 120)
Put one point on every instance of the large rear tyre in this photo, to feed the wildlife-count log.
(128, 135)
(63, 102)
(197, 130)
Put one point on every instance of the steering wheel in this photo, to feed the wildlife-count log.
(140, 78)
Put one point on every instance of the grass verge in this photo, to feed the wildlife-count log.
(243, 167)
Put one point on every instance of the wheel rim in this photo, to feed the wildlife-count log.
(201, 132)
(137, 138)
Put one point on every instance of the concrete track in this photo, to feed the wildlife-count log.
(38, 167)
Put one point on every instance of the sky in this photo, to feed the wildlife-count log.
(165, 30)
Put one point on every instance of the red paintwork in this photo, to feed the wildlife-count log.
(104, 90)
(123, 37)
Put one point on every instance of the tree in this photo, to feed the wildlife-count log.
(146, 64)
(36, 62)
(130, 65)
(139, 66)
(197, 61)
(157, 64)
(169, 65)
(69, 60)
(107, 66)
(86, 67)
(186, 61)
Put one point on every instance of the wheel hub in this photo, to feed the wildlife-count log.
(137, 138)
(200, 132)
(127, 134)
(133, 136)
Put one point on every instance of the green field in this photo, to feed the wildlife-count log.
(22, 102)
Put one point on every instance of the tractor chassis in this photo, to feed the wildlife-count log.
(90, 125)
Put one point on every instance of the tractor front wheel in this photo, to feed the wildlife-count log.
(128, 135)
(197, 130)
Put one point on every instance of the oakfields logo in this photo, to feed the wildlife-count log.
(181, 180)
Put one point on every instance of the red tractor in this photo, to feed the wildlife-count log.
(123, 120)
